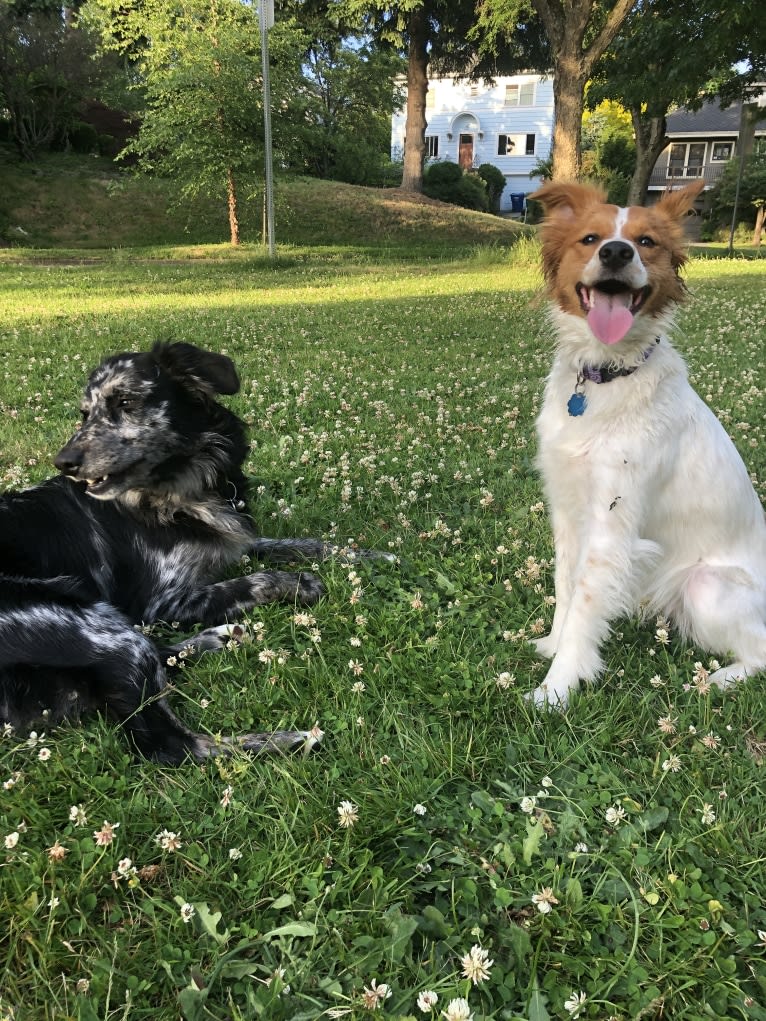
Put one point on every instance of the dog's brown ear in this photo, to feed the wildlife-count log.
(204, 371)
(567, 198)
(676, 204)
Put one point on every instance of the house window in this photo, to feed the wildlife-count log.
(432, 147)
(520, 94)
(686, 159)
(721, 152)
(516, 145)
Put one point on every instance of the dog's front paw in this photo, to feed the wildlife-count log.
(547, 698)
(545, 647)
(555, 690)
(310, 588)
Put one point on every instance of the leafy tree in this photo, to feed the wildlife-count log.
(706, 39)
(200, 68)
(436, 37)
(578, 34)
(609, 152)
(349, 93)
(46, 70)
(752, 194)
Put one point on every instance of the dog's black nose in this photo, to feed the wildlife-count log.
(68, 459)
(615, 255)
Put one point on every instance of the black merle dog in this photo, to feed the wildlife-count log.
(145, 516)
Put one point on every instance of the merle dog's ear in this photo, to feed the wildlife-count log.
(204, 371)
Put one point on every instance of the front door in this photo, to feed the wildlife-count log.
(465, 152)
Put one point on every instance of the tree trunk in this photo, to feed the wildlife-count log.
(231, 194)
(568, 92)
(417, 88)
(568, 25)
(651, 139)
(760, 217)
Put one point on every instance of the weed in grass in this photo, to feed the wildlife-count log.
(604, 863)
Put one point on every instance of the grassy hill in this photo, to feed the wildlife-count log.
(86, 202)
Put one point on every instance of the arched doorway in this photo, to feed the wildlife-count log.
(466, 127)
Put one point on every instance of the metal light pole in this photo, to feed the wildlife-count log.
(266, 20)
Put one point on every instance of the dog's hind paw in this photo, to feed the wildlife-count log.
(732, 674)
(545, 647)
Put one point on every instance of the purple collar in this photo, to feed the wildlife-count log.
(605, 373)
(578, 402)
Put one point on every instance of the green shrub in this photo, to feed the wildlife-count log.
(495, 182)
(448, 182)
(82, 137)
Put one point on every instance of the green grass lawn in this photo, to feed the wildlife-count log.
(391, 402)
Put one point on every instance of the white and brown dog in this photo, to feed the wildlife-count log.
(651, 505)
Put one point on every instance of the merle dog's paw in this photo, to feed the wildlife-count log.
(310, 588)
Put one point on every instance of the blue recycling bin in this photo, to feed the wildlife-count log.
(517, 202)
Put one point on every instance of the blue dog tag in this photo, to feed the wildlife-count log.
(576, 404)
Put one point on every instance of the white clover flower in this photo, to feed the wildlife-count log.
(476, 964)
(672, 764)
(544, 900)
(348, 814)
(234, 854)
(106, 834)
(575, 1003)
(708, 815)
(187, 912)
(427, 1000)
(77, 815)
(374, 995)
(419, 809)
(615, 815)
(528, 805)
(11, 840)
(458, 1010)
(168, 840)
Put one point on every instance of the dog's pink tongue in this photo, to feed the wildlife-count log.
(609, 317)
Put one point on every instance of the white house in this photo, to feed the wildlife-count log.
(508, 124)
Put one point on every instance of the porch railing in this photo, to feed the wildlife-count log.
(676, 175)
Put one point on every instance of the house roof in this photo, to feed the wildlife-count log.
(710, 119)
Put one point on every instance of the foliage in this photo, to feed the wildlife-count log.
(577, 36)
(46, 70)
(392, 403)
(449, 183)
(349, 94)
(86, 203)
(494, 180)
(199, 65)
(609, 151)
(708, 40)
(752, 189)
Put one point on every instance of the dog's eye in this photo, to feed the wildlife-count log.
(125, 403)
(646, 242)
(84, 412)
(589, 239)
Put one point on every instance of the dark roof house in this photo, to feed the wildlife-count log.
(701, 143)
